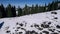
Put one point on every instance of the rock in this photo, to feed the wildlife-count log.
(35, 25)
(20, 32)
(17, 23)
(54, 33)
(12, 33)
(55, 18)
(57, 26)
(58, 31)
(40, 32)
(44, 25)
(7, 31)
(21, 24)
(33, 32)
(40, 29)
(28, 32)
(18, 27)
(52, 30)
(23, 29)
(53, 12)
(16, 30)
(31, 26)
(44, 22)
(46, 32)
(49, 23)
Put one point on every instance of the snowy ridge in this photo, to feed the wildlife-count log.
(48, 22)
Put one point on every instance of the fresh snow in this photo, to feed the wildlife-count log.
(28, 20)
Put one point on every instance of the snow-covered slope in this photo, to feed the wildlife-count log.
(48, 22)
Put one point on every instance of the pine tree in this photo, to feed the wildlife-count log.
(9, 11)
(32, 9)
(2, 11)
(13, 9)
(56, 5)
(39, 9)
(19, 11)
(51, 6)
(25, 9)
(45, 8)
(36, 8)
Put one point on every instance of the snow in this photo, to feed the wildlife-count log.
(29, 20)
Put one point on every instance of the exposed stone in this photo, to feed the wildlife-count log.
(44, 25)
(57, 26)
(18, 27)
(52, 30)
(53, 12)
(44, 22)
(17, 30)
(35, 25)
(17, 23)
(55, 18)
(40, 32)
(40, 28)
(49, 23)
(21, 24)
(46, 32)
(33, 32)
(7, 31)
(28, 32)
(31, 25)
(23, 29)
(58, 31)
(20, 32)
(54, 33)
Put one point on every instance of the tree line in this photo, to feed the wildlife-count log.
(10, 11)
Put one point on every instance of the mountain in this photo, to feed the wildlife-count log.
(47, 22)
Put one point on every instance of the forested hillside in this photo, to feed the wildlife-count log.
(10, 11)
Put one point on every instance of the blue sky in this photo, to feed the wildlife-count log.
(21, 3)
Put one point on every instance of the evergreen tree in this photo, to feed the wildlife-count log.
(56, 5)
(40, 10)
(49, 7)
(36, 8)
(53, 5)
(32, 9)
(13, 9)
(9, 11)
(2, 11)
(45, 8)
(19, 11)
(25, 9)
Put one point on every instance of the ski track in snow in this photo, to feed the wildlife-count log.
(40, 23)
